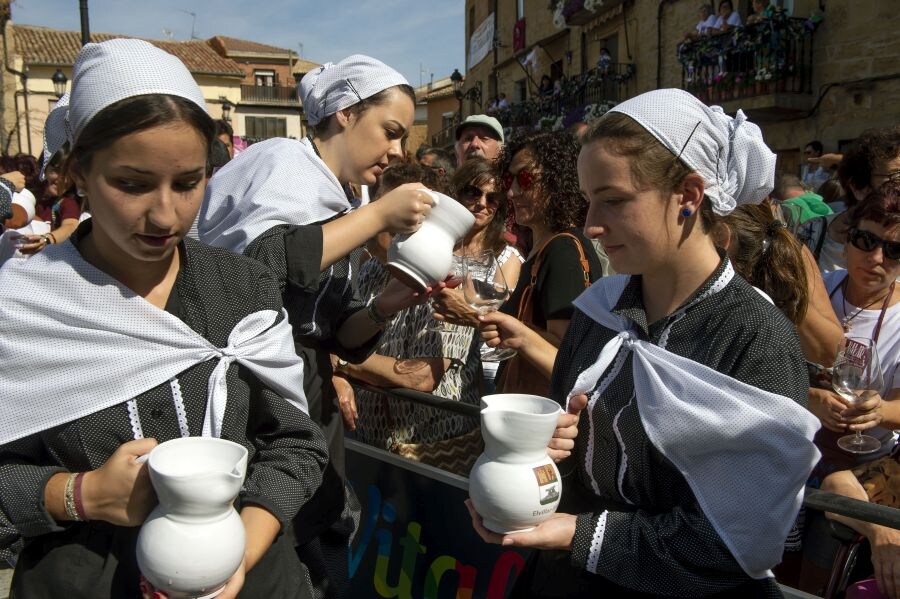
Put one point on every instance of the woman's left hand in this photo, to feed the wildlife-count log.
(32, 244)
(556, 532)
(865, 414)
(230, 591)
(450, 306)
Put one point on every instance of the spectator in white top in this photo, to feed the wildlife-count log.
(706, 22)
(728, 18)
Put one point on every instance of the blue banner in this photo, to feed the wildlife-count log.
(416, 539)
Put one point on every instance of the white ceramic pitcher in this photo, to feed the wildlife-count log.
(193, 541)
(514, 485)
(423, 258)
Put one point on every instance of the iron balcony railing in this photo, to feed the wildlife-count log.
(270, 94)
(773, 56)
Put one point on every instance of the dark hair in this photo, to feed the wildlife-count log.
(379, 99)
(556, 154)
(218, 156)
(223, 127)
(422, 151)
(816, 146)
(652, 164)
(880, 206)
(766, 254)
(724, 2)
(134, 114)
(871, 146)
(831, 191)
(479, 171)
(442, 159)
(399, 173)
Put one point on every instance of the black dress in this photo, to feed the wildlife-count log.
(214, 290)
(640, 531)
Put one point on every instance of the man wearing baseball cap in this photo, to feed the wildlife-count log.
(478, 135)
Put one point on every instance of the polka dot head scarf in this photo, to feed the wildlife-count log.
(111, 71)
(736, 164)
(333, 87)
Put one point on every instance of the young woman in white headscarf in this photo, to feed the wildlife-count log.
(693, 385)
(287, 204)
(129, 335)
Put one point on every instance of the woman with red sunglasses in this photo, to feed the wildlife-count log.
(540, 179)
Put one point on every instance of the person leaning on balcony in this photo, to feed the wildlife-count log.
(655, 486)
(727, 19)
(706, 22)
(479, 135)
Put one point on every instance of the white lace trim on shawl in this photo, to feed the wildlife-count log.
(728, 439)
(110, 345)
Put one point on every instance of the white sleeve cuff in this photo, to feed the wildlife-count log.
(596, 543)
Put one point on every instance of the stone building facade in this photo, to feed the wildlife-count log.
(850, 72)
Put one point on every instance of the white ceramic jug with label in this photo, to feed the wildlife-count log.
(424, 258)
(514, 485)
(193, 541)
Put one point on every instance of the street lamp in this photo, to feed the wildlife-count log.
(59, 83)
(473, 93)
(226, 110)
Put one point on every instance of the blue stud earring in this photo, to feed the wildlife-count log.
(686, 212)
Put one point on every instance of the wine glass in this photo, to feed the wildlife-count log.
(485, 289)
(856, 370)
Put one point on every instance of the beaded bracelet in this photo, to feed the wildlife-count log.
(71, 510)
(72, 498)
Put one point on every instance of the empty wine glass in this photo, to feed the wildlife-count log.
(485, 289)
(857, 370)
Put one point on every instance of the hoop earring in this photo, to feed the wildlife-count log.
(686, 212)
(80, 193)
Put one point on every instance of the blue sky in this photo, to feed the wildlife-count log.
(402, 33)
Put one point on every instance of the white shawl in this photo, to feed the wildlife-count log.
(74, 341)
(746, 453)
(274, 182)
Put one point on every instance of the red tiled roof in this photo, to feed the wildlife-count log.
(42, 45)
(232, 44)
(304, 66)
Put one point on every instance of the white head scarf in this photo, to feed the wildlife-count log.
(333, 87)
(54, 132)
(111, 71)
(729, 153)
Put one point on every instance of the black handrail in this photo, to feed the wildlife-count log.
(815, 499)
(426, 399)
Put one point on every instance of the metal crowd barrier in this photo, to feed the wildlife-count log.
(814, 499)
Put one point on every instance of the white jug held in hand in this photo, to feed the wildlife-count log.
(515, 485)
(424, 258)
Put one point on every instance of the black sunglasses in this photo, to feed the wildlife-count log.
(867, 242)
(472, 193)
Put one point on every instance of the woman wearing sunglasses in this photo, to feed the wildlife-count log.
(867, 302)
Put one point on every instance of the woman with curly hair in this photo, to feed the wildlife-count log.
(540, 179)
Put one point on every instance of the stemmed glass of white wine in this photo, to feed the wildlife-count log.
(857, 370)
(485, 289)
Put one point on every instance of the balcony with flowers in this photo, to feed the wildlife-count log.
(582, 98)
(568, 13)
(764, 69)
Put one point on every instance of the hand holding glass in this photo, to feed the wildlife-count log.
(485, 289)
(857, 370)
